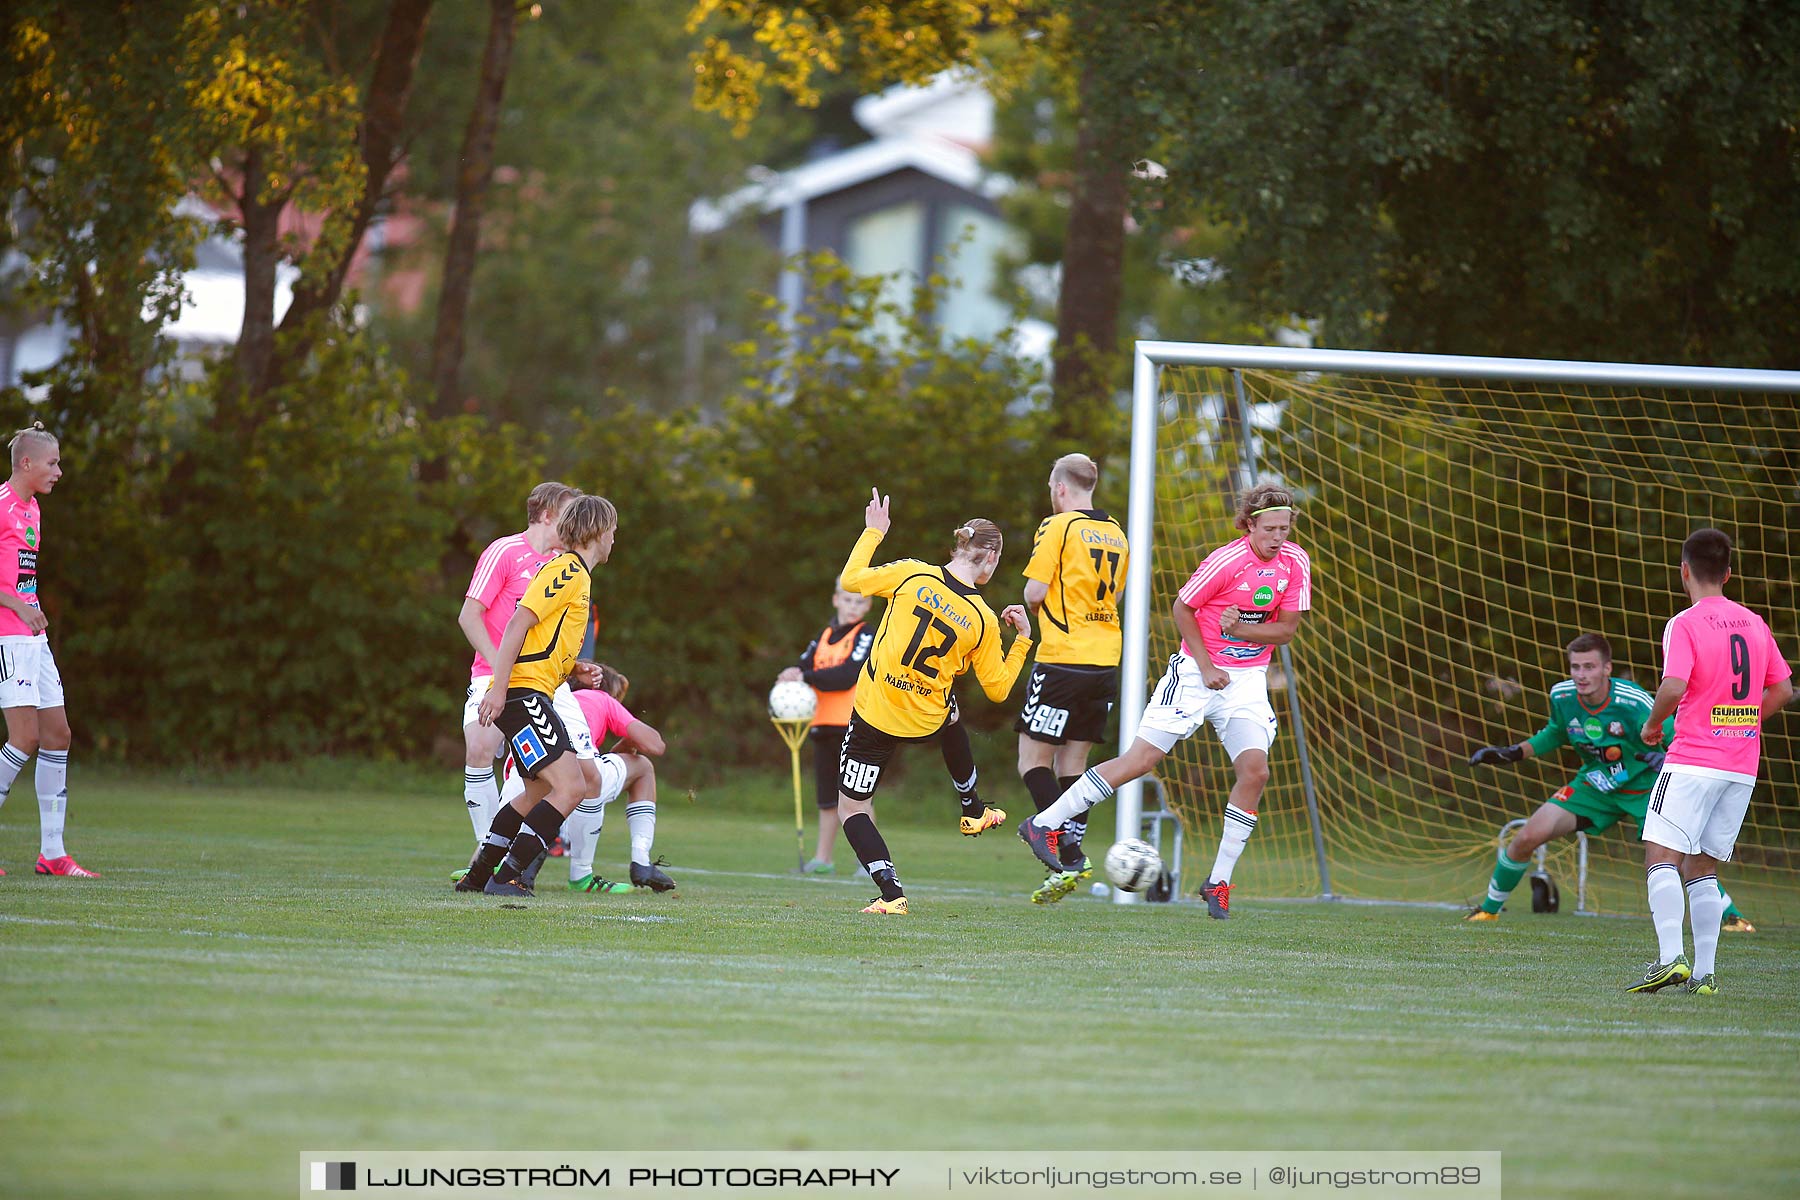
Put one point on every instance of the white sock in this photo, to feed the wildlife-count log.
(511, 790)
(582, 832)
(482, 797)
(1706, 908)
(1666, 910)
(12, 761)
(53, 800)
(1239, 825)
(640, 819)
(1086, 792)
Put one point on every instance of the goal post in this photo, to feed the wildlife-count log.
(1466, 518)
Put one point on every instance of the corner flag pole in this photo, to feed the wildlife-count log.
(793, 732)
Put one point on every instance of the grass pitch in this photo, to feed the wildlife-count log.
(265, 970)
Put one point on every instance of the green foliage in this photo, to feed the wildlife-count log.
(1527, 177)
(590, 289)
(213, 598)
(732, 531)
(98, 142)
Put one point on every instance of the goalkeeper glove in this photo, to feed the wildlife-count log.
(1654, 758)
(1494, 754)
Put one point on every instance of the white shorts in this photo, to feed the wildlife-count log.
(612, 782)
(1697, 810)
(28, 674)
(573, 719)
(1239, 712)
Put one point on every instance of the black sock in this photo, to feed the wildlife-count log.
(959, 760)
(1041, 783)
(541, 826)
(872, 852)
(1074, 829)
(500, 834)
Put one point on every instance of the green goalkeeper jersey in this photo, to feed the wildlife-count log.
(1605, 737)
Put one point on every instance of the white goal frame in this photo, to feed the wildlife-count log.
(1148, 361)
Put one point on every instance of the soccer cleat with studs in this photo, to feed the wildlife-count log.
(1704, 985)
(1659, 975)
(976, 826)
(651, 876)
(65, 866)
(1056, 885)
(594, 883)
(1043, 843)
(1737, 924)
(511, 887)
(887, 908)
(1218, 900)
(1480, 914)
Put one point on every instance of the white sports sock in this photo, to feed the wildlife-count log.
(12, 761)
(1239, 825)
(640, 819)
(1666, 910)
(1706, 909)
(53, 800)
(1086, 792)
(582, 832)
(482, 797)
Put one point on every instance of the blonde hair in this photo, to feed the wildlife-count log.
(1262, 496)
(976, 537)
(1077, 470)
(545, 499)
(33, 434)
(586, 518)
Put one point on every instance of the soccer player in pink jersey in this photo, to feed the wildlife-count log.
(625, 769)
(501, 575)
(1722, 677)
(1243, 600)
(31, 689)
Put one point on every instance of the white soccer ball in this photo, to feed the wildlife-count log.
(792, 700)
(1133, 865)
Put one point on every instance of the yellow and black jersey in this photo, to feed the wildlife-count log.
(558, 596)
(1082, 556)
(935, 628)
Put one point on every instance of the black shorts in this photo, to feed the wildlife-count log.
(535, 735)
(1066, 703)
(866, 751)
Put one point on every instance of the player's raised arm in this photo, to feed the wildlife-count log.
(858, 576)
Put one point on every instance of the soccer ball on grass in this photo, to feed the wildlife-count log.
(792, 700)
(1133, 865)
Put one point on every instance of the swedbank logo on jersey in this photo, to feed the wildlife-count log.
(1102, 537)
(936, 601)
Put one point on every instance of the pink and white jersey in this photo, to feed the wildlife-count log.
(604, 714)
(501, 576)
(1260, 588)
(1728, 656)
(21, 535)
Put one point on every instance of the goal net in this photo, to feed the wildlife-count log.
(1466, 518)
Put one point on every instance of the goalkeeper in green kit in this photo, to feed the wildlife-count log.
(1599, 717)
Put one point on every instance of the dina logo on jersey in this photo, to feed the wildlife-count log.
(1263, 595)
(31, 536)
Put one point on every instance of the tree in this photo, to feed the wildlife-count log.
(98, 138)
(472, 179)
(881, 44)
(382, 139)
(1612, 179)
(281, 129)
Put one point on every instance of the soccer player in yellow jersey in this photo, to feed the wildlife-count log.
(535, 655)
(936, 627)
(1072, 583)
